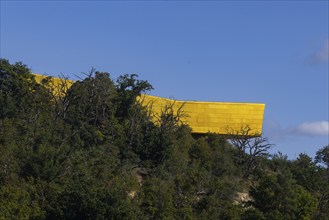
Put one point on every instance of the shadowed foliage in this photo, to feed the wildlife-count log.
(94, 153)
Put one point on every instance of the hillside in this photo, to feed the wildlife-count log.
(94, 152)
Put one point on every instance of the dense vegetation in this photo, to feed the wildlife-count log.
(95, 153)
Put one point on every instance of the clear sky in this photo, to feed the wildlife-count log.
(273, 52)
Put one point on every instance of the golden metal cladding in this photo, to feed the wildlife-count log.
(202, 117)
(216, 117)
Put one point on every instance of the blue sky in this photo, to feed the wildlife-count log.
(273, 52)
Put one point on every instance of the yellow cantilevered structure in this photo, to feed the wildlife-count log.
(202, 117)
(216, 117)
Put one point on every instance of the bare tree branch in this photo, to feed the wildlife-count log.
(250, 148)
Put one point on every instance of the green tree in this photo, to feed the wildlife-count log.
(322, 156)
(157, 199)
(322, 179)
(304, 171)
(275, 196)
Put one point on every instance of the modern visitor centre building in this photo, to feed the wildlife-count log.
(203, 117)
